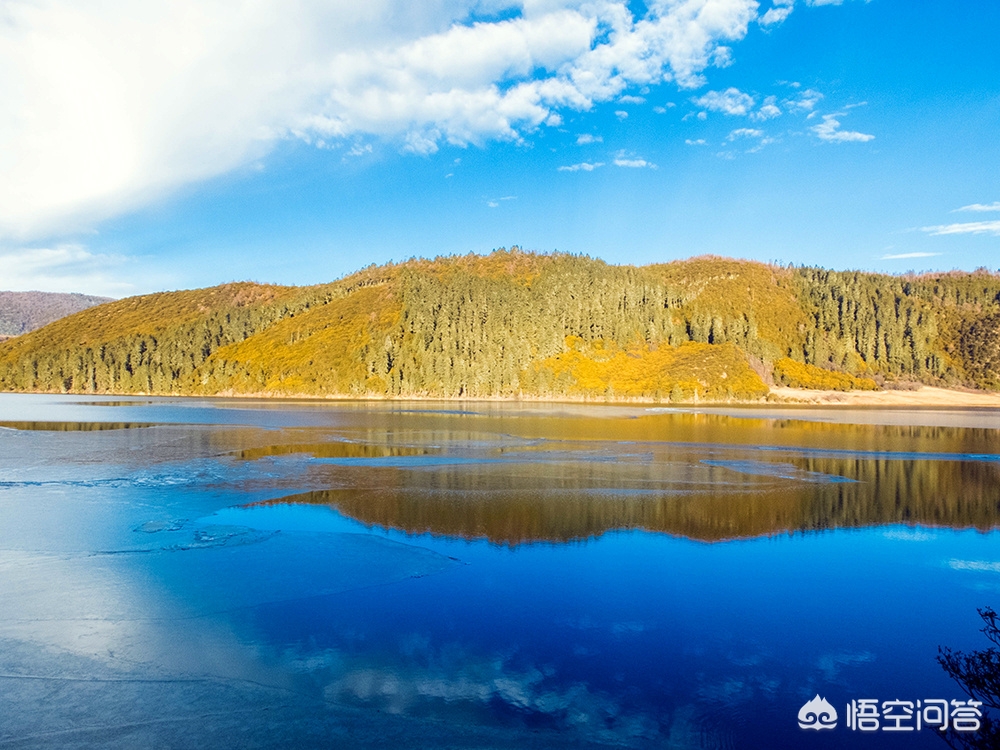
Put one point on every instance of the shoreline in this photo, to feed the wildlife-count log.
(924, 396)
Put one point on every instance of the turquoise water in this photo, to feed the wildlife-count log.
(239, 573)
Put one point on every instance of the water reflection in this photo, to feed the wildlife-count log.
(142, 587)
(552, 499)
(338, 449)
(72, 426)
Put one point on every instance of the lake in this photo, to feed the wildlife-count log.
(180, 573)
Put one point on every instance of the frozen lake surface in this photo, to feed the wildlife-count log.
(181, 573)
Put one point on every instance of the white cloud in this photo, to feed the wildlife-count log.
(768, 111)
(495, 202)
(747, 133)
(980, 207)
(583, 166)
(585, 138)
(760, 145)
(698, 142)
(628, 99)
(621, 114)
(903, 256)
(972, 227)
(66, 268)
(108, 106)
(731, 102)
(806, 101)
(722, 57)
(623, 160)
(744, 133)
(829, 130)
(777, 13)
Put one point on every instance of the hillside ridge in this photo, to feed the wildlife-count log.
(514, 323)
(22, 312)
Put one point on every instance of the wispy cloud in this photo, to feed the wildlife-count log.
(744, 133)
(752, 134)
(829, 131)
(980, 207)
(777, 13)
(629, 99)
(806, 101)
(634, 163)
(67, 268)
(495, 202)
(585, 138)
(624, 160)
(971, 227)
(732, 102)
(903, 256)
(582, 167)
(696, 142)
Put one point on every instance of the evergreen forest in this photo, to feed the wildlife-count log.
(519, 324)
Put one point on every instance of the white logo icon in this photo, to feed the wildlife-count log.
(817, 714)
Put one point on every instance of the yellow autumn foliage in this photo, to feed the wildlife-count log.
(689, 371)
(514, 323)
(798, 375)
(318, 352)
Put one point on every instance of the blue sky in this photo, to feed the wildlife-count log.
(187, 144)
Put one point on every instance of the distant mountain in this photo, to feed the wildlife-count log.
(21, 312)
(514, 324)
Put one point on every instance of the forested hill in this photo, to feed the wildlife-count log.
(514, 323)
(21, 312)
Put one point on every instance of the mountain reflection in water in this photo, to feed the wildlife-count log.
(704, 492)
(434, 598)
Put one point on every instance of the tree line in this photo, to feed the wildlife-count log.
(515, 323)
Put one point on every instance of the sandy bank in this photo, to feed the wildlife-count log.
(923, 396)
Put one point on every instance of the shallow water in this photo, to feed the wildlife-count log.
(235, 573)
